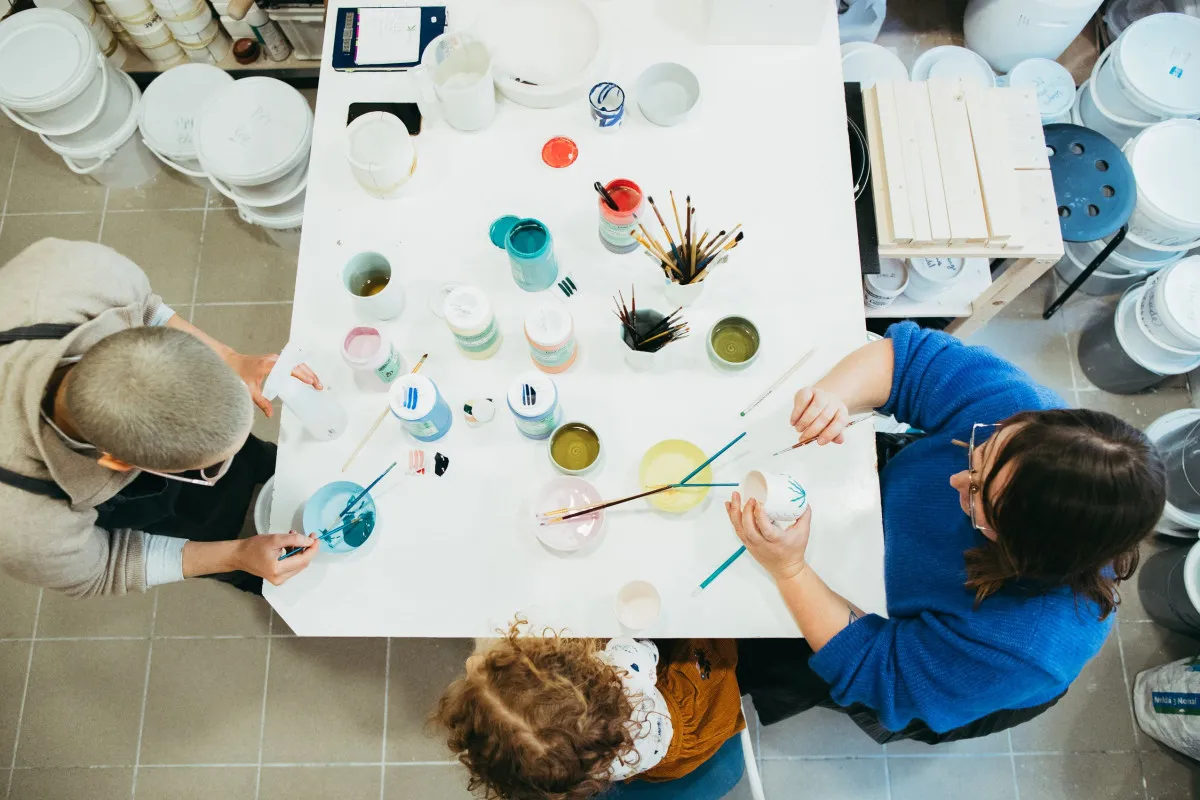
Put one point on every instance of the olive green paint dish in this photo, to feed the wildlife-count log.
(574, 448)
(733, 343)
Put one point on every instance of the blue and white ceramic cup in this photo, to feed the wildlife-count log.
(607, 101)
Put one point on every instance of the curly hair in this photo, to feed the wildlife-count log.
(537, 718)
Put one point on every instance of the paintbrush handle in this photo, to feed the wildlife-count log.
(612, 503)
(849, 425)
(779, 382)
(716, 573)
(354, 501)
(714, 457)
(367, 438)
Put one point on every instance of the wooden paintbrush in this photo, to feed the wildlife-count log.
(666, 230)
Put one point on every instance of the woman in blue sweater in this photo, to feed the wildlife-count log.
(1007, 528)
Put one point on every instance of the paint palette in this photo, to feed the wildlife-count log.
(574, 534)
(323, 512)
(670, 461)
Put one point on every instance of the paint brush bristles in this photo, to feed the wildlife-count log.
(663, 223)
(688, 259)
(652, 339)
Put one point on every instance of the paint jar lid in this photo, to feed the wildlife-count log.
(548, 325)
(415, 404)
(560, 152)
(544, 395)
(253, 131)
(938, 270)
(1181, 294)
(1052, 81)
(892, 277)
(467, 309)
(500, 229)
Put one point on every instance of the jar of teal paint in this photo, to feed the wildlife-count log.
(530, 249)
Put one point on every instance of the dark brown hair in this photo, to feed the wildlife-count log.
(541, 718)
(1084, 489)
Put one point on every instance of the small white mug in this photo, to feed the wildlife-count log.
(368, 270)
(780, 495)
(637, 605)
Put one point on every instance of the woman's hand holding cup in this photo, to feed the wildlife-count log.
(819, 415)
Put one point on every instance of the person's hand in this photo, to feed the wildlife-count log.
(780, 551)
(259, 555)
(253, 370)
(818, 415)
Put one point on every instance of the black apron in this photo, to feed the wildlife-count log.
(166, 507)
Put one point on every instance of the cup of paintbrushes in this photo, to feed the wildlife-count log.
(645, 322)
(682, 294)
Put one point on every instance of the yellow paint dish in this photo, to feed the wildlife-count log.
(670, 461)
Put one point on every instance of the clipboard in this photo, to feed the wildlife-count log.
(406, 29)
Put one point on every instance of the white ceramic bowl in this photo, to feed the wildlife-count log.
(667, 92)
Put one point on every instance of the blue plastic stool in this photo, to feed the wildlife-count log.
(1095, 190)
(712, 780)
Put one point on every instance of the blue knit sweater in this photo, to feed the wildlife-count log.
(939, 658)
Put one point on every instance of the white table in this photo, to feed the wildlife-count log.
(767, 147)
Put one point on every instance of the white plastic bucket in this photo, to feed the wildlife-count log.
(1166, 165)
(1053, 83)
(879, 291)
(253, 139)
(211, 49)
(1137, 249)
(262, 507)
(1152, 65)
(190, 26)
(133, 11)
(179, 9)
(1098, 116)
(929, 277)
(1105, 280)
(1122, 262)
(118, 99)
(120, 162)
(284, 231)
(867, 63)
(81, 10)
(168, 111)
(1169, 310)
(1006, 32)
(151, 34)
(1180, 520)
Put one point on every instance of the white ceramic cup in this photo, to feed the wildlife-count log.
(682, 294)
(780, 495)
(381, 153)
(460, 69)
(637, 605)
(386, 304)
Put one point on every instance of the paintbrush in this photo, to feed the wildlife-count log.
(608, 198)
(666, 230)
(419, 364)
(734, 243)
(654, 248)
(675, 209)
(716, 245)
(850, 424)
(354, 500)
(324, 535)
(376, 424)
(591, 506)
(689, 251)
(717, 572)
(791, 371)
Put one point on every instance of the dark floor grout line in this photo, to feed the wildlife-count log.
(1012, 758)
(52, 213)
(137, 754)
(180, 209)
(387, 682)
(262, 718)
(12, 171)
(12, 764)
(244, 303)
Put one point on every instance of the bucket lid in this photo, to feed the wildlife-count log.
(892, 277)
(548, 325)
(253, 131)
(47, 59)
(92, 150)
(1153, 57)
(1053, 82)
(252, 215)
(467, 308)
(867, 63)
(1166, 163)
(416, 405)
(954, 63)
(171, 103)
(938, 270)
(544, 396)
(1181, 295)
(1140, 347)
(1155, 431)
(379, 139)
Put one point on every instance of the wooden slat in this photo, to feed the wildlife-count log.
(893, 162)
(883, 211)
(993, 158)
(960, 178)
(914, 176)
(931, 165)
(1025, 128)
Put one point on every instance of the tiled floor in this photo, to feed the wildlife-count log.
(196, 691)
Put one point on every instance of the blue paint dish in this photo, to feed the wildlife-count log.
(323, 512)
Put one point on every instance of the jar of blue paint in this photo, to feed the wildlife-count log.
(417, 403)
(533, 401)
(530, 249)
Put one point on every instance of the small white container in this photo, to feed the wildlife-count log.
(375, 361)
(951, 62)
(459, 68)
(1109, 278)
(133, 11)
(1006, 32)
(81, 10)
(171, 10)
(150, 34)
(637, 605)
(867, 63)
(781, 496)
(383, 304)
(212, 48)
(1166, 165)
(880, 290)
(381, 153)
(1169, 309)
(666, 93)
(930, 277)
(533, 401)
(168, 111)
(318, 410)
(1053, 83)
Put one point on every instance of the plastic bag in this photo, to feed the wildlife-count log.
(1166, 701)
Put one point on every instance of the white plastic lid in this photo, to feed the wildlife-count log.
(939, 270)
(467, 309)
(892, 277)
(171, 103)
(47, 58)
(253, 131)
(1181, 293)
(1139, 347)
(545, 394)
(105, 147)
(1053, 82)
(1166, 163)
(959, 63)
(868, 63)
(1155, 53)
(400, 400)
(548, 325)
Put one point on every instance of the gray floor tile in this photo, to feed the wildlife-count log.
(1170, 776)
(204, 701)
(421, 670)
(165, 244)
(1080, 776)
(241, 263)
(71, 784)
(826, 779)
(83, 703)
(425, 782)
(1093, 716)
(168, 190)
(990, 778)
(1148, 645)
(14, 662)
(17, 233)
(19, 601)
(1138, 409)
(817, 732)
(196, 783)
(209, 608)
(1073, 334)
(9, 134)
(997, 743)
(41, 182)
(127, 615)
(325, 700)
(320, 783)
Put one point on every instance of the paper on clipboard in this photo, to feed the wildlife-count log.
(388, 36)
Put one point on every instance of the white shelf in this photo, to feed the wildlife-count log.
(958, 302)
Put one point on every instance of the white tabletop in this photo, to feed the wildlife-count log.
(766, 147)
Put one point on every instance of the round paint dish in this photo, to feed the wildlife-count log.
(667, 92)
(638, 605)
(733, 343)
(574, 448)
(323, 511)
(574, 534)
(560, 152)
(669, 462)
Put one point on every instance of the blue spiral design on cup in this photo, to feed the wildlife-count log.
(607, 101)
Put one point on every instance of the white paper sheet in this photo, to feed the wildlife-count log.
(388, 36)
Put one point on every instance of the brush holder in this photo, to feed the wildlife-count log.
(682, 294)
(645, 321)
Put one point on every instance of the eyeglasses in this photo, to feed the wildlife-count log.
(973, 493)
(208, 475)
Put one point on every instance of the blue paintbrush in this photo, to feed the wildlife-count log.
(716, 572)
(354, 500)
(324, 535)
(713, 458)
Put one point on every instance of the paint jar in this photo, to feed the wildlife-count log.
(733, 343)
(880, 290)
(420, 407)
(574, 448)
(530, 251)
(373, 358)
(617, 227)
(533, 401)
(470, 318)
(930, 277)
(368, 279)
(607, 101)
(550, 332)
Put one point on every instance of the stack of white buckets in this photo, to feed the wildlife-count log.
(55, 82)
(88, 14)
(195, 29)
(148, 31)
